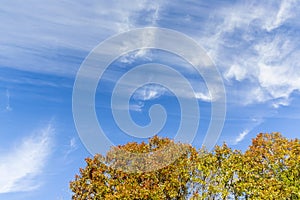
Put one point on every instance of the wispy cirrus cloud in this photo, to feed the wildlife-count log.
(284, 13)
(55, 40)
(20, 165)
(146, 93)
(149, 92)
(250, 48)
(247, 39)
(255, 51)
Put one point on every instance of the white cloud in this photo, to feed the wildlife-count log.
(252, 123)
(20, 166)
(237, 72)
(138, 107)
(249, 46)
(149, 92)
(203, 97)
(255, 95)
(282, 15)
(140, 54)
(145, 93)
(241, 136)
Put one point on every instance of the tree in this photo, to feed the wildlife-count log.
(217, 173)
(123, 175)
(271, 168)
(163, 169)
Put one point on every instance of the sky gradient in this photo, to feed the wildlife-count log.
(255, 45)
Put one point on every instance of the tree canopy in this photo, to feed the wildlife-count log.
(163, 169)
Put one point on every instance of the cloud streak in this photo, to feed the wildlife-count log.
(8, 107)
(54, 39)
(20, 166)
(241, 136)
(72, 146)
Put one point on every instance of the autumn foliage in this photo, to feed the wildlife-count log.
(163, 169)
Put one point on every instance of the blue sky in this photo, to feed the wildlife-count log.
(254, 44)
